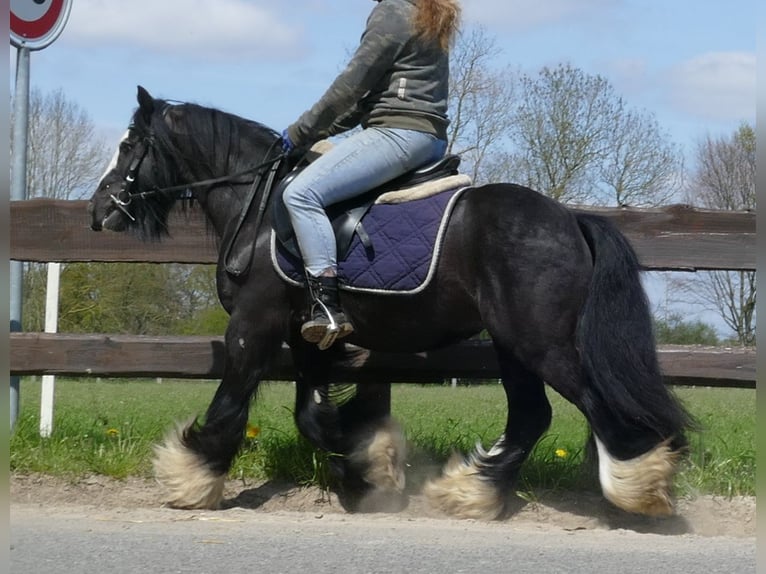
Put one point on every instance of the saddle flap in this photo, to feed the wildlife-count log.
(344, 217)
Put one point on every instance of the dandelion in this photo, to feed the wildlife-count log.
(561, 453)
(252, 431)
(112, 432)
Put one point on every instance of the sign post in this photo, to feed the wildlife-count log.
(34, 25)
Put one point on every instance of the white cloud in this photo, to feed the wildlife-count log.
(526, 14)
(210, 29)
(715, 86)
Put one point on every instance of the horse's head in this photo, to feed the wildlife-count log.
(179, 150)
(127, 197)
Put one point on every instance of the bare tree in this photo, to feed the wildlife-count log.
(562, 128)
(724, 178)
(65, 156)
(725, 173)
(480, 103)
(642, 168)
(576, 140)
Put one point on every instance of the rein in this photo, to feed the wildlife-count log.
(232, 178)
(269, 166)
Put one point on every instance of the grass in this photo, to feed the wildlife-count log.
(109, 426)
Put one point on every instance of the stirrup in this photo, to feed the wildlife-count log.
(328, 339)
(328, 322)
(325, 329)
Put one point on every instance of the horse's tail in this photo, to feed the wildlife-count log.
(616, 340)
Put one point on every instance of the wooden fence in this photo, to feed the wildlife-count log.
(676, 238)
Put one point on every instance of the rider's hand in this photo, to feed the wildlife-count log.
(287, 144)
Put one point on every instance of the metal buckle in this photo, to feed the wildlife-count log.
(122, 206)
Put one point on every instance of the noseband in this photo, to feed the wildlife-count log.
(130, 179)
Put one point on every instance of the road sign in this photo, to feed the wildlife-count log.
(37, 23)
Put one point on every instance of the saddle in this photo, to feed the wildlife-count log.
(346, 217)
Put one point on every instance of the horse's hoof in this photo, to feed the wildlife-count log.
(463, 493)
(187, 479)
(640, 485)
(377, 469)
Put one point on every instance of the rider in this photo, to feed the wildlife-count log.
(395, 86)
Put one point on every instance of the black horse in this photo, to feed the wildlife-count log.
(557, 290)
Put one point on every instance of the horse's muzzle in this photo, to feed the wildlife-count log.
(114, 221)
(110, 219)
(95, 222)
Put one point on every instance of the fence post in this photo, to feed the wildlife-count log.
(51, 326)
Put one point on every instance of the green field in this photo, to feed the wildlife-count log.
(108, 427)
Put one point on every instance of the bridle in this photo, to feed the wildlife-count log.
(126, 195)
(269, 168)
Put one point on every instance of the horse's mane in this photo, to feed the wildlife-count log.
(207, 142)
(192, 143)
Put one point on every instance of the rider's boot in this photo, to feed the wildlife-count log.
(328, 322)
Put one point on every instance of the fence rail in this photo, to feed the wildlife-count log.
(676, 238)
(202, 358)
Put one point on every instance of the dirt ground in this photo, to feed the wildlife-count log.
(702, 516)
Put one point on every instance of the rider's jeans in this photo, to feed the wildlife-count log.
(354, 165)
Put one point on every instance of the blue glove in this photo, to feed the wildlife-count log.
(287, 144)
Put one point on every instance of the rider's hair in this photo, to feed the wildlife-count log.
(438, 20)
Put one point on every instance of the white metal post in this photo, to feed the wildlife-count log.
(51, 326)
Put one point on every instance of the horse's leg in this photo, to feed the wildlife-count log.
(367, 446)
(610, 370)
(478, 486)
(316, 414)
(195, 458)
(636, 465)
(373, 478)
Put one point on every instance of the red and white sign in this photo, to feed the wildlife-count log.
(37, 23)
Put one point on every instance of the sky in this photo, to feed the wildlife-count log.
(690, 63)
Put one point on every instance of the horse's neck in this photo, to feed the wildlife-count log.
(224, 204)
(223, 207)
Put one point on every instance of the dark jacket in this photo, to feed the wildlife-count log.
(394, 79)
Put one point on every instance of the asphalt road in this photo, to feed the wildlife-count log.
(63, 540)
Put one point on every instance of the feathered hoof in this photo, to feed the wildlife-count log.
(187, 479)
(641, 485)
(462, 492)
(379, 462)
(382, 457)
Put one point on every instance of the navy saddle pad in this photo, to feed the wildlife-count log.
(402, 251)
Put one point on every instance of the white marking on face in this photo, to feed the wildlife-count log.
(241, 343)
(317, 397)
(113, 161)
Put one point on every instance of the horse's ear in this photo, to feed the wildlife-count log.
(145, 101)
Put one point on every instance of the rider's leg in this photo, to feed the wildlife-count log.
(355, 165)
